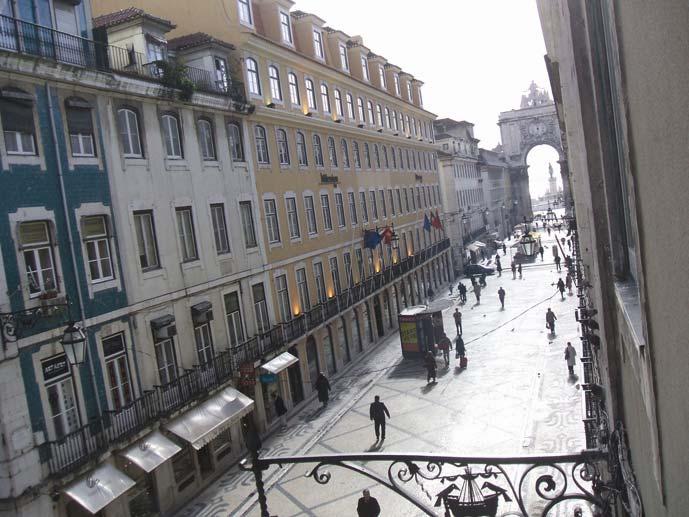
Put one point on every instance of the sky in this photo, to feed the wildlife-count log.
(476, 57)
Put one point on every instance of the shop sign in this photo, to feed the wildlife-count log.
(267, 378)
(55, 367)
(247, 375)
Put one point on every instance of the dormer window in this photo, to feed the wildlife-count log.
(344, 59)
(410, 97)
(398, 90)
(155, 48)
(318, 44)
(221, 78)
(364, 68)
(245, 15)
(286, 28)
(381, 75)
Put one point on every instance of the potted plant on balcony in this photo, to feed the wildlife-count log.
(174, 75)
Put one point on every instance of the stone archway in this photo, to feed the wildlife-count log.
(534, 123)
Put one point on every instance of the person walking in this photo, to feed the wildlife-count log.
(568, 283)
(451, 287)
(280, 409)
(514, 269)
(541, 250)
(550, 321)
(504, 249)
(561, 288)
(368, 506)
(519, 270)
(377, 412)
(570, 357)
(444, 344)
(460, 350)
(501, 295)
(458, 321)
(323, 389)
(477, 293)
(431, 367)
(557, 262)
(462, 292)
(498, 265)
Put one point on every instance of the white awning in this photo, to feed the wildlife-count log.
(279, 363)
(99, 488)
(200, 425)
(152, 451)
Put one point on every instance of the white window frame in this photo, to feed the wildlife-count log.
(117, 370)
(292, 217)
(282, 295)
(318, 49)
(364, 69)
(38, 278)
(274, 83)
(147, 239)
(248, 224)
(272, 221)
(131, 131)
(339, 210)
(325, 98)
(339, 109)
(327, 214)
(303, 289)
(311, 94)
(204, 128)
(302, 152)
(310, 211)
(171, 135)
(353, 213)
(293, 82)
(245, 13)
(186, 233)
(286, 28)
(261, 140)
(344, 58)
(283, 146)
(253, 77)
(95, 253)
(221, 236)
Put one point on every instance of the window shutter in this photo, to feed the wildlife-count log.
(17, 115)
(79, 121)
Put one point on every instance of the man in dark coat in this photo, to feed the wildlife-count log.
(459, 346)
(550, 320)
(561, 288)
(323, 389)
(377, 412)
(431, 367)
(557, 263)
(501, 295)
(458, 320)
(444, 345)
(368, 506)
(280, 409)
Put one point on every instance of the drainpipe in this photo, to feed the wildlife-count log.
(70, 238)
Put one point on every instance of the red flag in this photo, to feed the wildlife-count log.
(387, 235)
(436, 221)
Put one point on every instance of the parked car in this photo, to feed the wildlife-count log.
(477, 269)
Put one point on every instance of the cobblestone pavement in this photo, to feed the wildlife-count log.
(515, 398)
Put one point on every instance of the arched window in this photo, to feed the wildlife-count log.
(385, 157)
(367, 155)
(205, 130)
(171, 138)
(406, 121)
(360, 108)
(274, 80)
(394, 120)
(79, 127)
(283, 147)
(387, 118)
(301, 149)
(332, 152)
(234, 136)
(338, 103)
(293, 88)
(325, 98)
(310, 94)
(357, 156)
(317, 150)
(379, 115)
(345, 153)
(376, 153)
(371, 116)
(128, 122)
(350, 107)
(252, 78)
(394, 160)
(261, 145)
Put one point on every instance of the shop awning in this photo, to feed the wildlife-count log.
(200, 425)
(99, 488)
(152, 451)
(279, 363)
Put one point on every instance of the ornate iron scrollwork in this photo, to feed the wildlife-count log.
(13, 324)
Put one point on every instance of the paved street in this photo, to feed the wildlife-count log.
(515, 398)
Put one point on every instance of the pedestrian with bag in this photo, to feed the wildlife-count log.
(561, 288)
(460, 352)
(280, 409)
(570, 357)
(444, 344)
(550, 321)
(368, 506)
(462, 292)
(431, 367)
(323, 389)
(377, 412)
(458, 321)
(501, 296)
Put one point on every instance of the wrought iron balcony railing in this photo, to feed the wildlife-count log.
(36, 40)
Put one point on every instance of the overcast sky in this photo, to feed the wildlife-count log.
(476, 57)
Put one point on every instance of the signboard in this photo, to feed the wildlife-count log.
(55, 367)
(267, 378)
(408, 334)
(247, 375)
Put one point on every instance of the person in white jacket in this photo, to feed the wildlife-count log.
(570, 357)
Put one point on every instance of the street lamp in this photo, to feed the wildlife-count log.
(74, 344)
(528, 245)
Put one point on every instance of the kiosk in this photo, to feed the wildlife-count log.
(421, 327)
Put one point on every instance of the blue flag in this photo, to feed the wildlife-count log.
(426, 223)
(371, 239)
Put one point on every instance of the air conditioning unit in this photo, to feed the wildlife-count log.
(165, 332)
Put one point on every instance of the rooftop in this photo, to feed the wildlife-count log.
(127, 15)
(196, 39)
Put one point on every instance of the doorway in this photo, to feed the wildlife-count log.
(296, 387)
(378, 314)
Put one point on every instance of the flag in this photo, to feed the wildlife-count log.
(387, 235)
(371, 239)
(436, 221)
(426, 223)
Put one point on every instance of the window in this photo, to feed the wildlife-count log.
(166, 361)
(292, 218)
(335, 274)
(399, 200)
(64, 413)
(325, 98)
(261, 145)
(318, 44)
(253, 80)
(283, 147)
(350, 107)
(345, 153)
(392, 202)
(410, 97)
(185, 232)
(395, 125)
(332, 152)
(274, 81)
(325, 208)
(413, 199)
(398, 90)
(364, 207)
(301, 149)
(310, 210)
(353, 216)
(371, 116)
(234, 136)
(367, 155)
(338, 103)
(320, 281)
(310, 94)
(293, 88)
(317, 151)
(384, 209)
(247, 217)
(379, 115)
(117, 371)
(357, 155)
(96, 240)
(381, 76)
(376, 154)
(222, 240)
(233, 316)
(303, 289)
(285, 27)
(394, 160)
(205, 130)
(339, 210)
(204, 343)
(364, 68)
(406, 200)
(221, 78)
(80, 128)
(344, 59)
(387, 118)
(16, 110)
(245, 15)
(37, 249)
(360, 109)
(359, 263)
(271, 216)
(401, 158)
(260, 308)
(385, 157)
(130, 140)
(374, 204)
(146, 240)
(283, 297)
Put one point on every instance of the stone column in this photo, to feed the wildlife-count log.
(566, 186)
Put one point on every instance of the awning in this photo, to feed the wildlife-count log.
(280, 363)
(200, 425)
(99, 488)
(152, 451)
